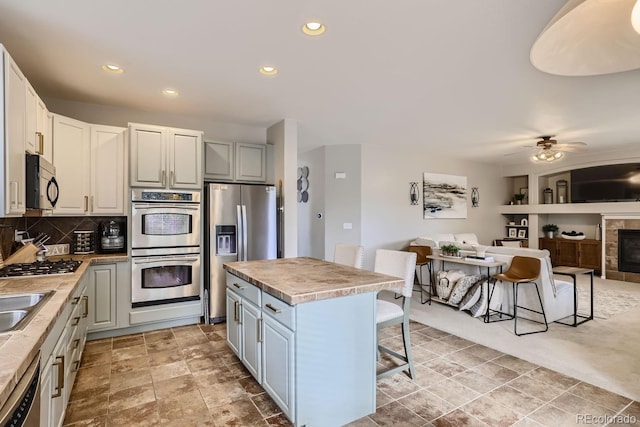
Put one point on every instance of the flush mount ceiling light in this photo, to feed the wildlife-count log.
(112, 68)
(170, 92)
(313, 28)
(268, 70)
(590, 37)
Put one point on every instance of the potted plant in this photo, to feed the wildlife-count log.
(550, 230)
(450, 250)
(519, 198)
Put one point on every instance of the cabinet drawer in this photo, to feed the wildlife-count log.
(279, 310)
(244, 289)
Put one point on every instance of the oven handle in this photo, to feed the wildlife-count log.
(162, 259)
(146, 206)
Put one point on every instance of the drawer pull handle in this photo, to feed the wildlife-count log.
(240, 313)
(274, 309)
(75, 300)
(76, 342)
(259, 325)
(238, 286)
(85, 299)
(60, 364)
(77, 363)
(76, 320)
(236, 305)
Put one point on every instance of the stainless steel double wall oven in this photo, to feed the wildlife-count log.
(165, 246)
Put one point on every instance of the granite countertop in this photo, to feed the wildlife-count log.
(18, 348)
(303, 279)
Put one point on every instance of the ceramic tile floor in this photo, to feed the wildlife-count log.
(187, 376)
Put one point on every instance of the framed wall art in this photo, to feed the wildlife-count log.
(445, 196)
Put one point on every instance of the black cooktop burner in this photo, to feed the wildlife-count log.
(40, 268)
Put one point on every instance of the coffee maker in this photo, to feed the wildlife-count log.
(111, 237)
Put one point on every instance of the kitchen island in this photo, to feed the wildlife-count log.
(306, 330)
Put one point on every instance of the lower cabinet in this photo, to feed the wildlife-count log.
(60, 356)
(265, 346)
(317, 360)
(102, 292)
(586, 253)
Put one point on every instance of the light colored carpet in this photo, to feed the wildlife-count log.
(603, 352)
(606, 302)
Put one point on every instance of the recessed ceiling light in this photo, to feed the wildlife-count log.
(313, 28)
(268, 70)
(112, 68)
(170, 92)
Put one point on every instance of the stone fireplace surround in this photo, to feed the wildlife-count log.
(611, 225)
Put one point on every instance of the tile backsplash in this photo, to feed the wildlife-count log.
(61, 229)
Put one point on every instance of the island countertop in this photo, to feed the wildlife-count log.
(304, 279)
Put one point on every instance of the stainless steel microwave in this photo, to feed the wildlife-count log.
(41, 185)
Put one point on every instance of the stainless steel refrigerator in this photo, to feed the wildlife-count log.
(240, 225)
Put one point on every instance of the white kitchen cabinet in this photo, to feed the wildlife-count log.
(251, 348)
(251, 162)
(233, 322)
(90, 163)
(13, 157)
(228, 161)
(44, 131)
(278, 362)
(60, 357)
(71, 159)
(31, 113)
(164, 157)
(218, 160)
(102, 292)
(108, 171)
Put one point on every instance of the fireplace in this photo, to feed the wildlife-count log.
(629, 250)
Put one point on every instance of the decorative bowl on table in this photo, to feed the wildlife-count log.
(573, 235)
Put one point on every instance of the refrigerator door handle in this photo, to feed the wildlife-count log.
(240, 248)
(244, 233)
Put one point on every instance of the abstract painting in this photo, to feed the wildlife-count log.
(445, 196)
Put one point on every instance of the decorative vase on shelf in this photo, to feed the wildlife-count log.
(550, 234)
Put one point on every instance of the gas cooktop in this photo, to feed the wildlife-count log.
(40, 268)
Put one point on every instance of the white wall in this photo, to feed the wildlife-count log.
(284, 138)
(117, 116)
(388, 218)
(311, 240)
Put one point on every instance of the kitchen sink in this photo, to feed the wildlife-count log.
(9, 319)
(17, 310)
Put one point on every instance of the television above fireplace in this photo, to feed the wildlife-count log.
(610, 183)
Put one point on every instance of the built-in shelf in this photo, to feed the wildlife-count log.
(573, 208)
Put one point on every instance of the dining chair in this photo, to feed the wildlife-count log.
(401, 264)
(351, 255)
(422, 252)
(523, 270)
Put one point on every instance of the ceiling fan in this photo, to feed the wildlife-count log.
(549, 150)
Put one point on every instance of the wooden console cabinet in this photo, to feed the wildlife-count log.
(585, 253)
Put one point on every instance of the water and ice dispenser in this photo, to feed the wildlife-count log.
(226, 239)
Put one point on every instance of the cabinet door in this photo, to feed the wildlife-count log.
(251, 162)
(108, 170)
(46, 391)
(278, 363)
(148, 156)
(550, 245)
(43, 128)
(568, 253)
(71, 159)
(251, 336)
(102, 297)
(218, 160)
(31, 114)
(590, 254)
(233, 322)
(185, 159)
(14, 162)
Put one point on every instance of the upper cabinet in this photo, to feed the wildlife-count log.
(13, 114)
(90, 163)
(164, 157)
(243, 162)
(38, 125)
